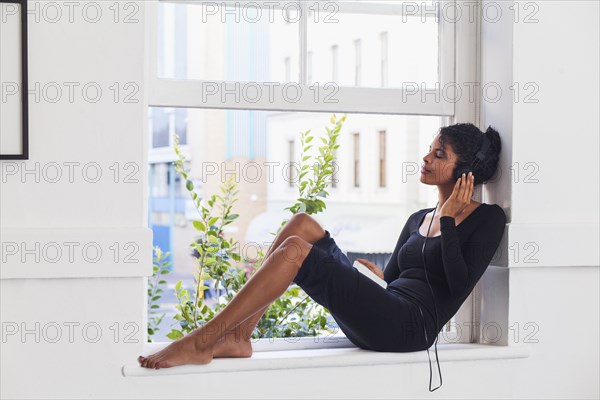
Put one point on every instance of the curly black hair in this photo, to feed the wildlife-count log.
(466, 140)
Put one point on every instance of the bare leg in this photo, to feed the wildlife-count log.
(266, 285)
(236, 342)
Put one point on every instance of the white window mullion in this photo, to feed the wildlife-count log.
(447, 57)
(466, 59)
(151, 69)
(303, 43)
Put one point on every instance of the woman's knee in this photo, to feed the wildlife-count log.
(306, 227)
(300, 219)
(294, 249)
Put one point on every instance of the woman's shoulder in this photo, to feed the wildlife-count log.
(424, 211)
(491, 221)
(494, 211)
(416, 216)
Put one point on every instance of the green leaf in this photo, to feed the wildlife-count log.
(294, 313)
(189, 185)
(175, 335)
(205, 275)
(199, 225)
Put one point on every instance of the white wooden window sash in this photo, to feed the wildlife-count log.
(329, 98)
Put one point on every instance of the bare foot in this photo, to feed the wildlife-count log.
(229, 346)
(186, 350)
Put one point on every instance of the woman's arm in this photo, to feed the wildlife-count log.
(392, 269)
(464, 268)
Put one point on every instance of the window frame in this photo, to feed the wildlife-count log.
(347, 99)
(459, 58)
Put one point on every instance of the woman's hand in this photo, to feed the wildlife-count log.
(460, 197)
(374, 268)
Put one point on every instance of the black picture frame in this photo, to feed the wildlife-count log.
(24, 155)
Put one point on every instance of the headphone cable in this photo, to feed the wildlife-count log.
(435, 307)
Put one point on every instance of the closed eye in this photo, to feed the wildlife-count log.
(436, 154)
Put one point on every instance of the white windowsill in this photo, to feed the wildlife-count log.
(266, 356)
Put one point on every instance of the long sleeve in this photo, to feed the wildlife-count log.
(464, 265)
(392, 269)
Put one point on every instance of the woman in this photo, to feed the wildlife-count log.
(463, 238)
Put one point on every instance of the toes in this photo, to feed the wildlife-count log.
(154, 362)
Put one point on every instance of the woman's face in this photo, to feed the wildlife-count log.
(439, 163)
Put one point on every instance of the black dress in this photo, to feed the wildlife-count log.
(390, 319)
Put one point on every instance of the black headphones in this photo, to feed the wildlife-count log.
(466, 168)
(458, 171)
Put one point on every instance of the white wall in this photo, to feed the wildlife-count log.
(552, 203)
(35, 210)
(560, 132)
